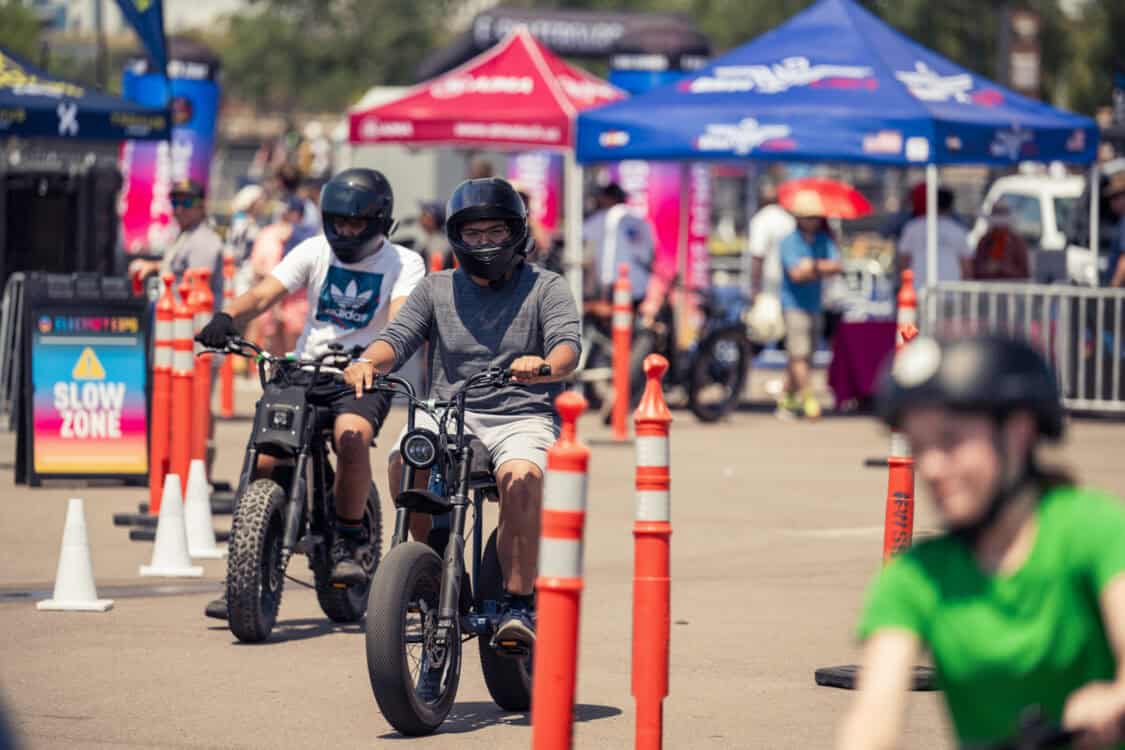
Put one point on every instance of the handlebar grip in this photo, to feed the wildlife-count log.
(544, 370)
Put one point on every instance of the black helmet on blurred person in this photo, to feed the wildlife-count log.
(357, 194)
(990, 376)
(980, 374)
(488, 257)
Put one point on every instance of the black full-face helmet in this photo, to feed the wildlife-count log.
(487, 198)
(357, 194)
(980, 374)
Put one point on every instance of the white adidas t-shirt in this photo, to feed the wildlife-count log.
(348, 302)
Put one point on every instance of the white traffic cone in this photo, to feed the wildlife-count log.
(197, 515)
(74, 580)
(170, 551)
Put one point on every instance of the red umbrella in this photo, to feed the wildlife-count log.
(840, 200)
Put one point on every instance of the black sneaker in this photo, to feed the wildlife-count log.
(351, 559)
(515, 632)
(217, 608)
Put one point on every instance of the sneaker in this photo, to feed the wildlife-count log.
(788, 407)
(812, 407)
(515, 632)
(217, 608)
(350, 557)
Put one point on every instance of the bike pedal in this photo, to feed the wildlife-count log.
(306, 544)
(339, 585)
(512, 648)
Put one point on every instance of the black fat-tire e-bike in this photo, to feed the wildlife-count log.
(292, 511)
(422, 604)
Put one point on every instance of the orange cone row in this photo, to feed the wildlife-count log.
(559, 583)
(161, 394)
(226, 371)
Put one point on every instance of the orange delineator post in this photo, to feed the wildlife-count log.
(559, 583)
(161, 395)
(437, 262)
(652, 583)
(202, 301)
(182, 376)
(622, 335)
(898, 523)
(898, 520)
(226, 370)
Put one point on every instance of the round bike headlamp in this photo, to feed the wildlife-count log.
(419, 448)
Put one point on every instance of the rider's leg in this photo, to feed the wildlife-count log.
(353, 435)
(420, 523)
(517, 535)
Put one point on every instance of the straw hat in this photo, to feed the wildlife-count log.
(807, 204)
(1116, 184)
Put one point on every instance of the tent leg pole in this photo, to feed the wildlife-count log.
(931, 224)
(572, 199)
(1095, 208)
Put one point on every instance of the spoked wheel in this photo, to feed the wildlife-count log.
(718, 374)
(414, 676)
(255, 572)
(348, 603)
(508, 678)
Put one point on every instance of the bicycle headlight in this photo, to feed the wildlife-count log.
(419, 448)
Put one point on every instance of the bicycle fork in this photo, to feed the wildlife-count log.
(453, 564)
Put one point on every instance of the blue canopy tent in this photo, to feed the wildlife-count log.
(36, 105)
(835, 83)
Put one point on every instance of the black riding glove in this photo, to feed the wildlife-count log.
(215, 334)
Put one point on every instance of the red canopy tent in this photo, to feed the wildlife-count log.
(516, 95)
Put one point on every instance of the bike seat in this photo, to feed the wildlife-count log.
(481, 472)
(423, 501)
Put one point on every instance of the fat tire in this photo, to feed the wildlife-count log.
(700, 366)
(508, 679)
(256, 534)
(391, 682)
(349, 604)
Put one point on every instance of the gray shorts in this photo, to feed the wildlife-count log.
(508, 437)
(802, 329)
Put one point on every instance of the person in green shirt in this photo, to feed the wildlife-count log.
(1021, 602)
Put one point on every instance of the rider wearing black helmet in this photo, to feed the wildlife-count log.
(356, 280)
(496, 219)
(496, 310)
(1022, 602)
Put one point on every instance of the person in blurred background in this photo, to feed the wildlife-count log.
(544, 251)
(1115, 268)
(770, 225)
(808, 256)
(245, 221)
(618, 234)
(480, 167)
(433, 244)
(954, 256)
(279, 330)
(1000, 253)
(197, 246)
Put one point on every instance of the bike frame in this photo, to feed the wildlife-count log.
(312, 447)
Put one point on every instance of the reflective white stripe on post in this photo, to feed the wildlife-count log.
(183, 361)
(652, 451)
(623, 320)
(564, 490)
(654, 505)
(164, 333)
(560, 558)
(900, 446)
(162, 357)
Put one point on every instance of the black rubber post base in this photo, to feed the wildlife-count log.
(845, 677)
(132, 519)
(875, 463)
(149, 535)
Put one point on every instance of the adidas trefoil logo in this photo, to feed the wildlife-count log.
(350, 297)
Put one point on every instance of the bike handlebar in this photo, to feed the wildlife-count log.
(1035, 733)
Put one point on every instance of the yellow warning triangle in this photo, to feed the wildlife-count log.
(88, 367)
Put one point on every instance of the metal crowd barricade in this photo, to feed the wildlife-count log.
(11, 352)
(1080, 330)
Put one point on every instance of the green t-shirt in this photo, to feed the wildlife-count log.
(1002, 642)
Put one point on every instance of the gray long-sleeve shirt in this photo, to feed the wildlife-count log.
(471, 327)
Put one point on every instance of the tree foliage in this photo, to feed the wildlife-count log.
(19, 29)
(322, 54)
